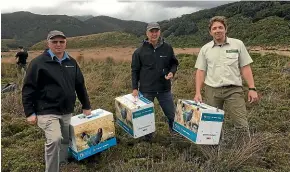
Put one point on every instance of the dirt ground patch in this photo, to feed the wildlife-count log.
(121, 54)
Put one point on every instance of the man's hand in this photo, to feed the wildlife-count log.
(198, 98)
(87, 112)
(252, 96)
(32, 119)
(169, 76)
(135, 93)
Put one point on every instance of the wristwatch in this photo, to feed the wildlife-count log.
(254, 89)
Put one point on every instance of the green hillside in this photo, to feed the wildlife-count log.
(107, 39)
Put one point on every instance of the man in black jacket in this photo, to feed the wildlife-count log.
(153, 66)
(22, 57)
(48, 97)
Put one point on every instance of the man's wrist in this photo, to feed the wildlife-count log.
(253, 88)
(32, 114)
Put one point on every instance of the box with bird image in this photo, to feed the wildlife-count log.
(135, 115)
(91, 134)
(198, 122)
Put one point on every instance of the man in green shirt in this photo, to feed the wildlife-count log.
(220, 65)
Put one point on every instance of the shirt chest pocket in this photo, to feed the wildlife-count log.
(164, 60)
(148, 61)
(232, 59)
(69, 72)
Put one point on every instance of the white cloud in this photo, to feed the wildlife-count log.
(16, 5)
(142, 10)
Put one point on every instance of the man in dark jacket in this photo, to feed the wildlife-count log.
(22, 57)
(48, 97)
(153, 66)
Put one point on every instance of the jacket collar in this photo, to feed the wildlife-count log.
(159, 43)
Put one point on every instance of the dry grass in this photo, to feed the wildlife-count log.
(268, 150)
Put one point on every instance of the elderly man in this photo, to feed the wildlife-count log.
(153, 65)
(220, 64)
(48, 97)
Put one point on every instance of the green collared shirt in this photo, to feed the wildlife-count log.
(222, 63)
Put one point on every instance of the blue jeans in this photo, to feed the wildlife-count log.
(166, 102)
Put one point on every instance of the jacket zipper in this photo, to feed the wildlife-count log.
(64, 82)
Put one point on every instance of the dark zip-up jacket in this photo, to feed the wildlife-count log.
(50, 87)
(150, 65)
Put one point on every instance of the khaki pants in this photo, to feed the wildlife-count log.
(230, 98)
(56, 128)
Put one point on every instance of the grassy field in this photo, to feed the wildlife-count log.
(269, 150)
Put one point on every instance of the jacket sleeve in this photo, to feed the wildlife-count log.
(29, 89)
(173, 62)
(81, 89)
(135, 69)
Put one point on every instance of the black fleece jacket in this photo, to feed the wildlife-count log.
(150, 65)
(50, 87)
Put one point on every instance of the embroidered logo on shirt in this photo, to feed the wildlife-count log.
(232, 51)
(68, 66)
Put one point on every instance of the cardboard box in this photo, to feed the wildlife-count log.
(135, 116)
(91, 134)
(200, 123)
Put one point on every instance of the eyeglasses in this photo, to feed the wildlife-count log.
(55, 42)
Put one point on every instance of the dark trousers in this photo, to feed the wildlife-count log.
(166, 102)
(20, 66)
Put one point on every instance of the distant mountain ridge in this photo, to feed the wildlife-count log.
(83, 18)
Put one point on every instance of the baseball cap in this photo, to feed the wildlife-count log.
(153, 25)
(54, 33)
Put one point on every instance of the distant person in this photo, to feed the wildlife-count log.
(153, 66)
(48, 95)
(220, 65)
(22, 56)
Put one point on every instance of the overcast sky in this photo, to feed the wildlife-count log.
(147, 11)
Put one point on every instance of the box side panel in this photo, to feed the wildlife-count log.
(93, 132)
(209, 132)
(94, 149)
(143, 122)
(124, 117)
(125, 127)
(187, 115)
(185, 131)
(72, 142)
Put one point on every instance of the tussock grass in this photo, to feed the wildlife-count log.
(268, 149)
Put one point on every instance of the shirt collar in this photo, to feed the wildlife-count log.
(214, 44)
(52, 55)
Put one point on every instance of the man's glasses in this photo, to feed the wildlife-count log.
(55, 42)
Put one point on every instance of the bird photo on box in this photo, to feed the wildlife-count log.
(194, 122)
(122, 111)
(93, 140)
(124, 114)
(187, 115)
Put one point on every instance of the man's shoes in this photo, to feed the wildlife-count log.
(148, 137)
(63, 164)
(174, 133)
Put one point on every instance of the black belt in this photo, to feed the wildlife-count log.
(229, 86)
